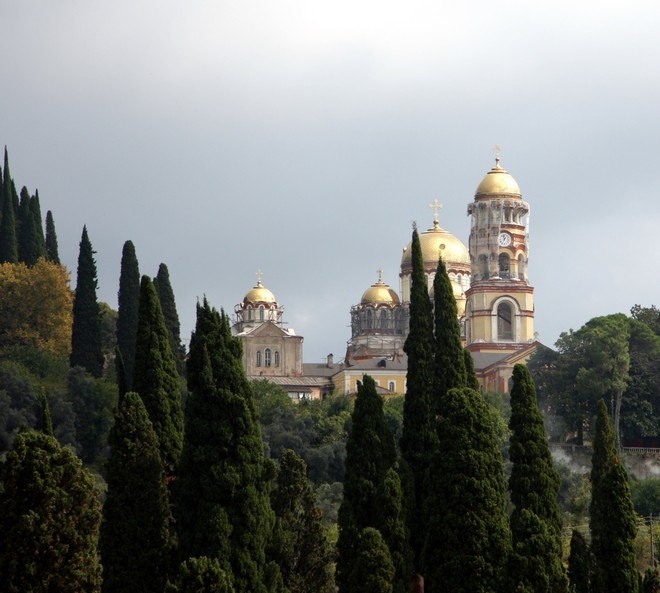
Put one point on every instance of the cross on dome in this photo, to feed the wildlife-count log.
(435, 206)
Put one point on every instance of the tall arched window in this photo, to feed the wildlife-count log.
(504, 263)
(261, 312)
(267, 360)
(370, 318)
(384, 319)
(391, 386)
(249, 313)
(258, 358)
(277, 358)
(504, 321)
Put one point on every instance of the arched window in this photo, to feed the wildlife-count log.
(277, 358)
(258, 358)
(504, 321)
(261, 312)
(249, 313)
(391, 386)
(384, 319)
(267, 360)
(505, 264)
(370, 318)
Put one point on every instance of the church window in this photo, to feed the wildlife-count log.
(370, 318)
(261, 312)
(249, 313)
(383, 319)
(277, 358)
(258, 358)
(504, 263)
(521, 267)
(504, 321)
(267, 358)
(391, 386)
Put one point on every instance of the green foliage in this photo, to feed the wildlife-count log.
(168, 305)
(29, 238)
(536, 523)
(651, 582)
(370, 454)
(155, 376)
(471, 376)
(468, 539)
(201, 575)
(646, 496)
(49, 519)
(612, 516)
(647, 315)
(450, 369)
(299, 544)
(52, 250)
(93, 402)
(86, 331)
(46, 417)
(135, 542)
(419, 440)
(373, 570)
(128, 301)
(579, 564)
(35, 209)
(8, 241)
(222, 489)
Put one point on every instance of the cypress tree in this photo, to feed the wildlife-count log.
(201, 575)
(46, 417)
(49, 519)
(8, 242)
(418, 440)
(128, 301)
(222, 489)
(611, 514)
(373, 570)
(155, 377)
(578, 564)
(471, 376)
(135, 541)
(300, 545)
(370, 454)
(29, 247)
(449, 360)
(37, 219)
(468, 538)
(52, 252)
(536, 523)
(86, 330)
(168, 304)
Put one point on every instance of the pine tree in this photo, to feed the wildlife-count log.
(86, 332)
(299, 545)
(128, 301)
(611, 514)
(536, 523)
(8, 242)
(52, 252)
(468, 538)
(222, 488)
(370, 454)
(449, 360)
(49, 519)
(418, 440)
(155, 377)
(578, 564)
(135, 542)
(168, 304)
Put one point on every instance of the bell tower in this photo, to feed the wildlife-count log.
(500, 300)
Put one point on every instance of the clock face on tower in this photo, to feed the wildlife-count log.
(504, 239)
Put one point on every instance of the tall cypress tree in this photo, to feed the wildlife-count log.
(471, 376)
(35, 208)
(300, 545)
(135, 542)
(449, 361)
(86, 331)
(49, 519)
(611, 514)
(29, 245)
(373, 570)
(168, 304)
(8, 242)
(52, 252)
(222, 488)
(579, 564)
(128, 300)
(155, 377)
(370, 454)
(536, 559)
(468, 538)
(418, 440)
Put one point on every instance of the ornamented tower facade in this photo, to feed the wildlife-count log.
(500, 300)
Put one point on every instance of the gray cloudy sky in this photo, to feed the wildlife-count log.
(302, 138)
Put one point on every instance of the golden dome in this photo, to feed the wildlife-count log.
(435, 242)
(498, 181)
(379, 294)
(259, 294)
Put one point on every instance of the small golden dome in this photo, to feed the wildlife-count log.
(436, 242)
(498, 181)
(259, 294)
(379, 294)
